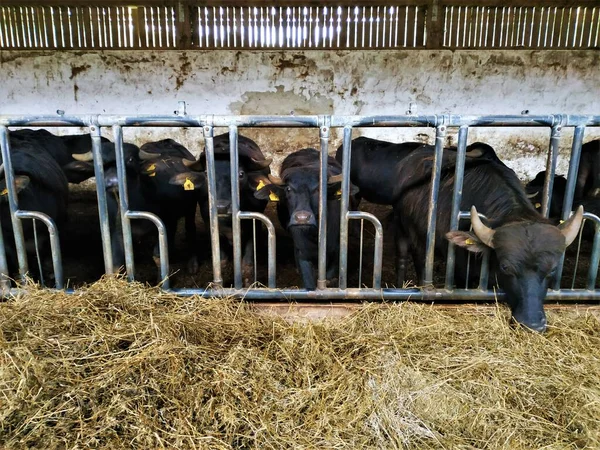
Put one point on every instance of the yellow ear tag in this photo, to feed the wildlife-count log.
(538, 205)
(562, 221)
(188, 185)
(469, 241)
(4, 192)
(260, 185)
(273, 197)
(153, 174)
(338, 194)
(151, 168)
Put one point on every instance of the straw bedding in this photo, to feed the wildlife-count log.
(121, 365)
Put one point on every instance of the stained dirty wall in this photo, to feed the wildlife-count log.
(313, 82)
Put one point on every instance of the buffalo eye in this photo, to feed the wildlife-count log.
(241, 174)
(551, 273)
(288, 189)
(505, 268)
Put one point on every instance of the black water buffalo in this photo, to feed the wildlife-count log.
(142, 192)
(526, 246)
(61, 148)
(253, 169)
(297, 193)
(586, 186)
(41, 186)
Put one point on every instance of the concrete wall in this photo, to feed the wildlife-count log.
(311, 82)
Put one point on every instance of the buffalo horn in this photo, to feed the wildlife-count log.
(335, 179)
(258, 164)
(533, 195)
(188, 163)
(145, 156)
(484, 233)
(275, 180)
(570, 227)
(85, 157)
(1, 169)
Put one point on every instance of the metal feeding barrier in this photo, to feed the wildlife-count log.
(95, 124)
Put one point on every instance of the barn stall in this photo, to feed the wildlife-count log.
(522, 77)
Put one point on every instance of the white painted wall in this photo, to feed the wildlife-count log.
(313, 82)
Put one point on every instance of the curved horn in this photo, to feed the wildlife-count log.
(570, 228)
(85, 157)
(484, 233)
(188, 163)
(533, 195)
(335, 179)
(275, 180)
(145, 156)
(1, 169)
(258, 164)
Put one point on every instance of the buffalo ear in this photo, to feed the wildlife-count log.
(467, 241)
(269, 192)
(335, 189)
(189, 180)
(21, 182)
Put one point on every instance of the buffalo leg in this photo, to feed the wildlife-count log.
(401, 248)
(190, 240)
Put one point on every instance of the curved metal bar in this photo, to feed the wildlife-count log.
(162, 242)
(270, 245)
(13, 204)
(54, 242)
(235, 206)
(378, 250)
(595, 257)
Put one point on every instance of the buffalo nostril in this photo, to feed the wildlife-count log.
(302, 217)
(223, 208)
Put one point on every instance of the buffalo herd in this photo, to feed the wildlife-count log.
(164, 178)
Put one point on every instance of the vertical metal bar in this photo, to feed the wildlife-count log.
(595, 258)
(95, 132)
(13, 204)
(124, 202)
(570, 189)
(440, 135)
(459, 175)
(344, 208)
(484, 272)
(360, 257)
(550, 169)
(212, 204)
(4, 275)
(322, 256)
(235, 207)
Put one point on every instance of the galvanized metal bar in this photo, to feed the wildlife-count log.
(95, 132)
(13, 204)
(4, 274)
(595, 256)
(550, 169)
(440, 135)
(385, 121)
(378, 245)
(54, 242)
(32, 120)
(322, 250)
(124, 202)
(459, 174)
(271, 243)
(570, 189)
(344, 201)
(163, 247)
(212, 204)
(484, 271)
(235, 207)
(388, 294)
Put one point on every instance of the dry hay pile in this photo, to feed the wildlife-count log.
(120, 365)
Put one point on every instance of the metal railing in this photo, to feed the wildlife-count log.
(441, 123)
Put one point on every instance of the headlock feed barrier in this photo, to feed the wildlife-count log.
(324, 123)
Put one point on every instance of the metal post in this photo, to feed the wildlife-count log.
(4, 275)
(13, 204)
(235, 207)
(459, 175)
(322, 257)
(271, 243)
(344, 208)
(378, 250)
(209, 153)
(440, 135)
(551, 169)
(595, 257)
(570, 189)
(95, 133)
(124, 202)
